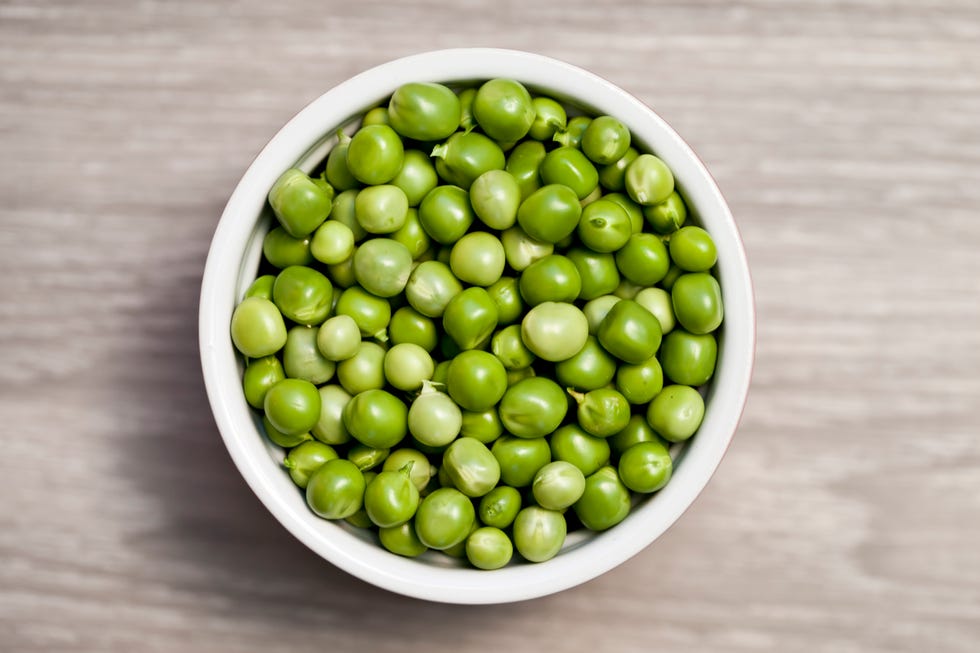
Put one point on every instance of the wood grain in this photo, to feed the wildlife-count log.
(846, 517)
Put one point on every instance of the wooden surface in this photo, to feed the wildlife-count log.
(846, 516)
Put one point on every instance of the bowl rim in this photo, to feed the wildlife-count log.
(221, 288)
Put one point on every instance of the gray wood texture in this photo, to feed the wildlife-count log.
(846, 516)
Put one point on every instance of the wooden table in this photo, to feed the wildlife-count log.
(846, 516)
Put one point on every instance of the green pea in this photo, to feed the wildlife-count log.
(391, 499)
(262, 287)
(409, 326)
(376, 418)
(520, 458)
(365, 457)
(605, 140)
(612, 176)
(672, 274)
(495, 196)
(466, 97)
(500, 506)
(648, 180)
(574, 445)
(549, 117)
(643, 260)
(627, 290)
(444, 518)
(558, 485)
(303, 295)
(632, 209)
(605, 502)
(637, 430)
(478, 259)
(345, 212)
(337, 172)
(284, 440)
(417, 176)
(602, 412)
(488, 548)
(640, 383)
(515, 376)
(597, 309)
(555, 331)
(629, 332)
(676, 412)
(407, 365)
(371, 313)
(687, 358)
(360, 518)
(667, 216)
(300, 203)
(507, 346)
(260, 375)
(446, 214)
(332, 243)
(305, 459)
(597, 271)
(466, 156)
(302, 359)
(433, 418)
(523, 164)
(364, 370)
(381, 209)
(282, 250)
(382, 266)
(533, 407)
(521, 250)
(376, 116)
(596, 194)
(471, 467)
(420, 472)
(552, 278)
(482, 425)
(645, 467)
(431, 287)
(692, 249)
(470, 318)
(257, 328)
(424, 111)
(591, 368)
(539, 534)
(441, 375)
(402, 540)
(505, 293)
(504, 110)
(292, 406)
(375, 154)
(604, 227)
(571, 136)
(696, 298)
(477, 380)
(569, 167)
(550, 213)
(339, 338)
(329, 427)
(335, 490)
(658, 302)
(413, 236)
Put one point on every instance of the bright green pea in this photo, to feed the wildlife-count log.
(391, 499)
(402, 540)
(696, 298)
(640, 383)
(444, 518)
(667, 216)
(376, 418)
(282, 250)
(549, 117)
(471, 467)
(555, 331)
(584, 202)
(574, 445)
(260, 375)
(627, 290)
(629, 332)
(284, 440)
(382, 266)
(332, 243)
(597, 271)
(329, 427)
(446, 214)
(602, 412)
(643, 260)
(508, 346)
(339, 338)
(676, 412)
(466, 156)
(558, 485)
(376, 116)
(605, 140)
(478, 259)
(504, 110)
(571, 136)
(687, 358)
(569, 167)
(648, 180)
(365, 457)
(637, 430)
(483, 425)
(550, 213)
(515, 376)
(533, 407)
(336, 489)
(262, 287)
(692, 249)
(466, 97)
(300, 203)
(658, 302)
(424, 111)
(371, 313)
(375, 154)
(500, 506)
(337, 172)
(477, 380)
(420, 470)
(520, 458)
(364, 370)
(672, 275)
(407, 365)
(539, 534)
(301, 358)
(417, 176)
(612, 176)
(345, 212)
(597, 309)
(524, 164)
(413, 236)
(591, 368)
(303, 295)
(552, 278)
(381, 209)
(605, 502)
(292, 406)
(431, 287)
(434, 419)
(409, 326)
(305, 459)
(604, 226)
(257, 328)
(441, 375)
(495, 196)
(632, 209)
(645, 467)
(470, 318)
(521, 250)
(505, 293)
(488, 548)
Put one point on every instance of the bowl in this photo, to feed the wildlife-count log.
(234, 258)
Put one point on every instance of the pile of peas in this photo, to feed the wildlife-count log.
(484, 323)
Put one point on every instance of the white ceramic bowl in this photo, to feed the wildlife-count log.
(235, 254)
